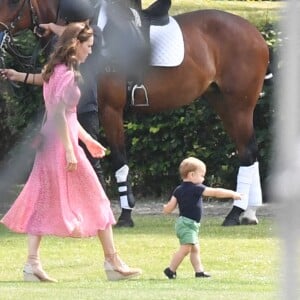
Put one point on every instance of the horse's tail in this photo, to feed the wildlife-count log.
(268, 81)
(269, 76)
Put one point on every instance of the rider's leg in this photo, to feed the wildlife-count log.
(90, 122)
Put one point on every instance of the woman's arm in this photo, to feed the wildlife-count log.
(63, 131)
(94, 147)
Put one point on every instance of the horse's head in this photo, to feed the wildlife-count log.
(19, 15)
(13, 15)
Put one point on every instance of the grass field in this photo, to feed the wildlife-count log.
(243, 262)
(257, 12)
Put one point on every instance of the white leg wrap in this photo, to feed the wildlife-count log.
(122, 173)
(244, 181)
(124, 202)
(255, 194)
(121, 177)
(250, 213)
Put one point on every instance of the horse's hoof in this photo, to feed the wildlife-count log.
(231, 222)
(247, 221)
(124, 223)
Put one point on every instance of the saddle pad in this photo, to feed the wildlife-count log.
(167, 45)
(166, 42)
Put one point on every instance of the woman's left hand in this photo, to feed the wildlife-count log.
(95, 148)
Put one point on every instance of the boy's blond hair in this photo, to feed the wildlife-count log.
(190, 164)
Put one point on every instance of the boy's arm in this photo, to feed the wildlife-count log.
(170, 206)
(221, 193)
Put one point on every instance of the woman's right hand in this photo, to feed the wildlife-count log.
(71, 161)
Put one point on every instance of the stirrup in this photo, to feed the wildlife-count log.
(141, 87)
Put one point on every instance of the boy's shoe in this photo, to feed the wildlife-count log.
(202, 274)
(169, 273)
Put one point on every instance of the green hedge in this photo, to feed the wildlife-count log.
(19, 105)
(156, 144)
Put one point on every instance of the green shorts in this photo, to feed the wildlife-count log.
(187, 231)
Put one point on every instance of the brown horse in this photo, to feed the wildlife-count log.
(225, 60)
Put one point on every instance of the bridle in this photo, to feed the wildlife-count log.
(7, 43)
(14, 22)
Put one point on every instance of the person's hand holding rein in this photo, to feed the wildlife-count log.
(10, 74)
(52, 28)
(13, 75)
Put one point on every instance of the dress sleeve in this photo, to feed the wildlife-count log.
(66, 88)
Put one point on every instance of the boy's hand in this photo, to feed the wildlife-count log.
(237, 196)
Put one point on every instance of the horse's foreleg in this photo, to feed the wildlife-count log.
(126, 197)
(112, 121)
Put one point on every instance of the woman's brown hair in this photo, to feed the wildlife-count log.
(65, 49)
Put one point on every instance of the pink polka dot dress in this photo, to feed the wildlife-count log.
(53, 200)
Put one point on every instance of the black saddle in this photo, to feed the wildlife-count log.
(158, 12)
(126, 35)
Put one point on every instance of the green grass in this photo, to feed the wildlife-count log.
(257, 12)
(243, 262)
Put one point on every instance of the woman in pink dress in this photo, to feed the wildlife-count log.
(63, 196)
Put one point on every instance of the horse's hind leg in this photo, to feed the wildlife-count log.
(238, 122)
(248, 184)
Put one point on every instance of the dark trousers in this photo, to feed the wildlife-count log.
(90, 122)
